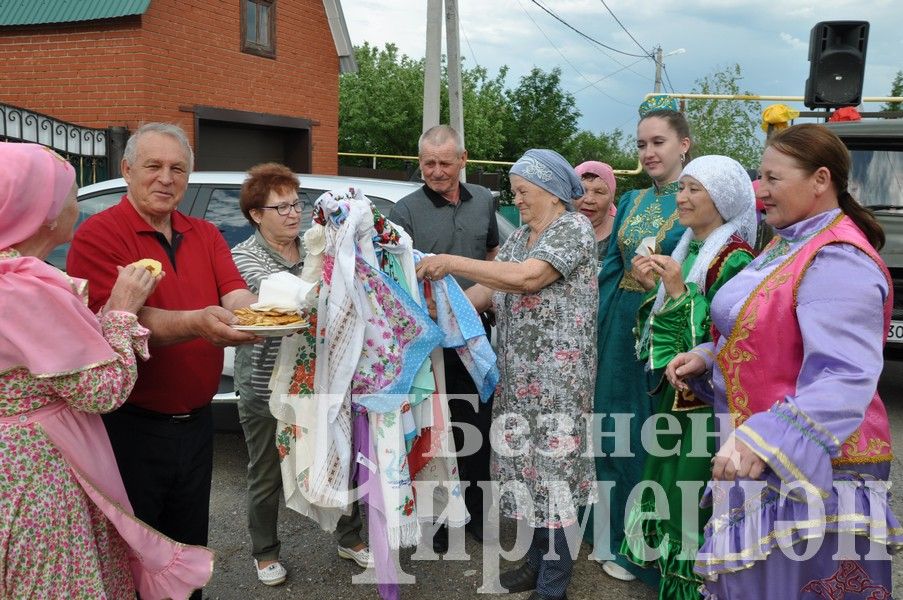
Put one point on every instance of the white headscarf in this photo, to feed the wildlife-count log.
(730, 188)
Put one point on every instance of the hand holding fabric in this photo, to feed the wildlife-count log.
(434, 267)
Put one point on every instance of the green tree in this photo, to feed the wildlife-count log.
(728, 127)
(381, 106)
(613, 148)
(616, 149)
(485, 111)
(896, 90)
(542, 115)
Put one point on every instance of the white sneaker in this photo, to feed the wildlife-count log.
(617, 571)
(362, 557)
(272, 574)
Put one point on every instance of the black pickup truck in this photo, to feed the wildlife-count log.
(876, 146)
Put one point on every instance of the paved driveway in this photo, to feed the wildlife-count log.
(315, 572)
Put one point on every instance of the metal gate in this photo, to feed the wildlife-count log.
(95, 153)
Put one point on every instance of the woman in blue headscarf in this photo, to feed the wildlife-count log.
(543, 288)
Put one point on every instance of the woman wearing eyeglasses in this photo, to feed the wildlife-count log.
(269, 200)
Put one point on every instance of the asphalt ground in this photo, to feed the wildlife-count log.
(316, 572)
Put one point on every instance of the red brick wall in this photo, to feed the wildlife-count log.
(180, 53)
(89, 74)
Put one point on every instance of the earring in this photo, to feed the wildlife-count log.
(683, 157)
(51, 226)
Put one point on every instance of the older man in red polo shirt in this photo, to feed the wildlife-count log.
(163, 434)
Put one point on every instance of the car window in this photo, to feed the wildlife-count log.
(224, 211)
(875, 177)
(86, 208)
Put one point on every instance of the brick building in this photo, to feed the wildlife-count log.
(249, 80)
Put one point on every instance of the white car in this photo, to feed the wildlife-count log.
(213, 195)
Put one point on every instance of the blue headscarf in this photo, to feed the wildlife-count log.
(550, 171)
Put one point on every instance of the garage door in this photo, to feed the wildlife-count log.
(225, 146)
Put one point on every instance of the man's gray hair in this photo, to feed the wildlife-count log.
(130, 155)
(438, 135)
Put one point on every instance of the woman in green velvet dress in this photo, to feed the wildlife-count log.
(717, 204)
(663, 142)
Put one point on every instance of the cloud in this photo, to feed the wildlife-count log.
(772, 54)
(793, 42)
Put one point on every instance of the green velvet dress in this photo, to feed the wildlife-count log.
(680, 325)
(621, 382)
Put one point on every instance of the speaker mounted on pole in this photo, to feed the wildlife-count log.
(836, 64)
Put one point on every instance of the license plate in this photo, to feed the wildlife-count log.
(895, 331)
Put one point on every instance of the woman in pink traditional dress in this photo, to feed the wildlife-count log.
(66, 525)
(800, 506)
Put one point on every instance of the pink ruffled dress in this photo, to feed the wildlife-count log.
(67, 529)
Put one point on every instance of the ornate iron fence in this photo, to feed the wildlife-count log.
(94, 152)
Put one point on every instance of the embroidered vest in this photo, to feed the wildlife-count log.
(755, 380)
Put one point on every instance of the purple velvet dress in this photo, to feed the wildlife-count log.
(764, 544)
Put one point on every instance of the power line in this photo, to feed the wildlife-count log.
(472, 53)
(548, 39)
(623, 68)
(618, 21)
(577, 31)
(620, 64)
(667, 77)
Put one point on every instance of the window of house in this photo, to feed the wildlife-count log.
(258, 27)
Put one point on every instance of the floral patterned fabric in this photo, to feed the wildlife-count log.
(54, 541)
(547, 360)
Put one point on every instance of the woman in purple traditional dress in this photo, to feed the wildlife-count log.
(800, 507)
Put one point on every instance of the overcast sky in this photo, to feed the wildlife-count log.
(769, 40)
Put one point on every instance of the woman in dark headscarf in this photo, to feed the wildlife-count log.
(543, 288)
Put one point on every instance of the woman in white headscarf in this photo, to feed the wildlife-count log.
(716, 204)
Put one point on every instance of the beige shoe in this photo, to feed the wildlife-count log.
(617, 571)
(272, 574)
(362, 557)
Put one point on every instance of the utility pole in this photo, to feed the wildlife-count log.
(658, 69)
(431, 64)
(455, 95)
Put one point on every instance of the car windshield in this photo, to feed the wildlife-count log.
(876, 178)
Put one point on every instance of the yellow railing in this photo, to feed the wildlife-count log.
(639, 167)
(415, 159)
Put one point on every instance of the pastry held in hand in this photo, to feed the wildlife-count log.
(282, 292)
(153, 266)
(646, 247)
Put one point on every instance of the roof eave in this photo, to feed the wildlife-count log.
(339, 29)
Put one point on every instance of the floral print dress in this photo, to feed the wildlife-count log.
(547, 361)
(54, 541)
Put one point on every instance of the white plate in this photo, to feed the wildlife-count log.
(271, 330)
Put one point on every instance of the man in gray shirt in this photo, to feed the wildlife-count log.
(447, 216)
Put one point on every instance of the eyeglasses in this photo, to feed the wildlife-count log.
(284, 209)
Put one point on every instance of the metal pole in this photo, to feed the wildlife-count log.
(431, 64)
(455, 95)
(658, 69)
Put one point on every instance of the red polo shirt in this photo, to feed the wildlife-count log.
(181, 377)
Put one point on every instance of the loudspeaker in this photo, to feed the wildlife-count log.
(837, 64)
